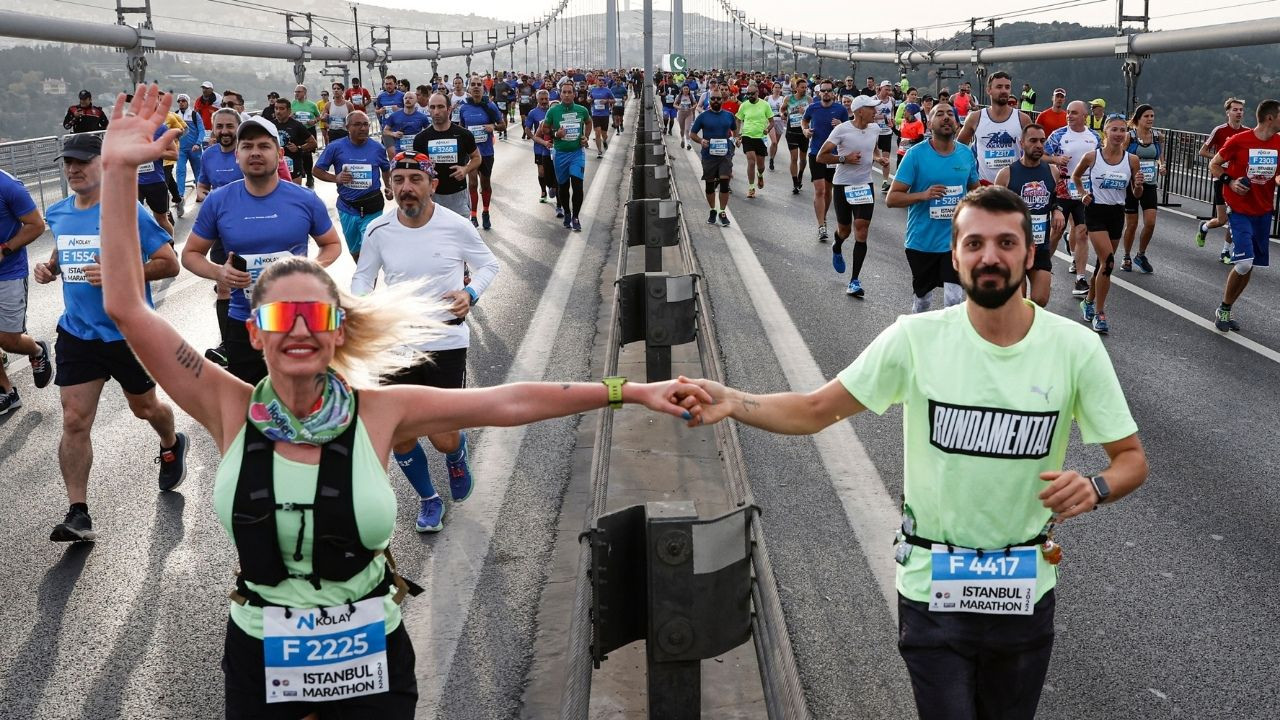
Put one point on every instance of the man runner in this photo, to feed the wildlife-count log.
(90, 349)
(453, 154)
(565, 121)
(930, 183)
(713, 130)
(1066, 147)
(1035, 182)
(1233, 126)
(363, 175)
(417, 243)
(482, 119)
(852, 147)
(754, 117)
(989, 391)
(818, 121)
(20, 225)
(601, 100)
(995, 131)
(793, 110)
(542, 160)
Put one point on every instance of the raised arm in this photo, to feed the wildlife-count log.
(198, 387)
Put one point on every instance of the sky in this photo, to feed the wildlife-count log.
(869, 17)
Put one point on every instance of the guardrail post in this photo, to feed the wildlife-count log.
(655, 225)
(661, 310)
(682, 583)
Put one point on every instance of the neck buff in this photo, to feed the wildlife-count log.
(328, 418)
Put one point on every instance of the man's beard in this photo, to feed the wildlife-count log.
(410, 206)
(992, 298)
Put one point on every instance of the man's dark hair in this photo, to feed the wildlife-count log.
(999, 74)
(1034, 126)
(994, 199)
(1267, 109)
(392, 78)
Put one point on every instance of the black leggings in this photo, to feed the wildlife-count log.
(571, 208)
(172, 184)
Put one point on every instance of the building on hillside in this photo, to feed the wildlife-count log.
(54, 86)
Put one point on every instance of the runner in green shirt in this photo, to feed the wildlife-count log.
(565, 121)
(754, 117)
(989, 390)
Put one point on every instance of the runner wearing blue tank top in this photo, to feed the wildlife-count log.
(1144, 142)
(1034, 181)
(320, 393)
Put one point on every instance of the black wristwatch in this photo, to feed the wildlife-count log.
(5, 251)
(1225, 179)
(1100, 486)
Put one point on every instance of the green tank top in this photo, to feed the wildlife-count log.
(375, 506)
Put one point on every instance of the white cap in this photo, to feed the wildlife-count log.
(184, 96)
(261, 122)
(206, 84)
(885, 83)
(864, 101)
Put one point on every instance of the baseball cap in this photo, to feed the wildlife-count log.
(1060, 91)
(912, 109)
(206, 84)
(885, 83)
(256, 125)
(85, 94)
(864, 101)
(1099, 102)
(81, 146)
(183, 96)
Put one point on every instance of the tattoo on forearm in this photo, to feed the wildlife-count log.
(190, 359)
(564, 386)
(748, 404)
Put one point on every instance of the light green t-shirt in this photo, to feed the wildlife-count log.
(578, 119)
(375, 506)
(981, 422)
(755, 117)
(305, 111)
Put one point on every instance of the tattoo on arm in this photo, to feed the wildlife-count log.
(190, 359)
(748, 404)
(564, 386)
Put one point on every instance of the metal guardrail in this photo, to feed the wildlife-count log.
(35, 163)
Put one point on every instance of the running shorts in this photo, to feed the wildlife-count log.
(1105, 218)
(716, 167)
(753, 145)
(446, 369)
(885, 143)
(819, 171)
(13, 306)
(1044, 258)
(82, 361)
(1251, 235)
(600, 122)
(797, 141)
(486, 165)
(155, 196)
(1073, 210)
(930, 270)
(1147, 201)
(846, 213)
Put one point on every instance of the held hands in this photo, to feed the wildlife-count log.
(706, 400)
(682, 398)
(129, 141)
(1069, 493)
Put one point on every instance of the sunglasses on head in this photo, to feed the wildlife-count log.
(281, 316)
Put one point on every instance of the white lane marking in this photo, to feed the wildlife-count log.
(872, 514)
(453, 573)
(1198, 319)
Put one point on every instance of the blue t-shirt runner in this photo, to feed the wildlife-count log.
(218, 168)
(15, 202)
(929, 221)
(78, 243)
(409, 123)
(715, 127)
(366, 162)
(262, 229)
(600, 97)
(820, 118)
(474, 116)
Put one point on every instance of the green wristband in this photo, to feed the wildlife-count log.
(614, 384)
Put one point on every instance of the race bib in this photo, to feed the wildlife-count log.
(1039, 228)
(1262, 165)
(1111, 180)
(288, 164)
(944, 207)
(684, 104)
(1149, 171)
(145, 168)
(859, 195)
(337, 122)
(995, 583)
(479, 133)
(205, 138)
(443, 151)
(1075, 190)
(315, 657)
(255, 264)
(74, 252)
(599, 105)
(303, 116)
(501, 105)
(671, 99)
(718, 146)
(572, 130)
(456, 115)
(525, 100)
(997, 158)
(405, 143)
(794, 119)
(361, 175)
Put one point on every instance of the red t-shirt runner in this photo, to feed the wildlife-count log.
(1255, 159)
(1222, 134)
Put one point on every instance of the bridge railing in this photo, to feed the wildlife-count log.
(34, 161)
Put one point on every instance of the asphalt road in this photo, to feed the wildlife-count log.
(132, 626)
(1166, 600)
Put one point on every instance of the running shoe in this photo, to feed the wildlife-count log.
(474, 223)
(559, 211)
(760, 181)
(1224, 322)
(217, 355)
(711, 217)
(822, 233)
(770, 164)
(1225, 255)
(42, 366)
(1100, 324)
(724, 219)
(542, 199)
(1086, 309)
(1200, 234)
(1081, 287)
(486, 224)
(577, 226)
(431, 515)
(1126, 264)
(795, 189)
(884, 186)
(568, 222)
(173, 464)
(751, 192)
(854, 289)
(76, 527)
(599, 154)
(606, 145)
(10, 401)
(177, 206)
(459, 464)
(1143, 263)
(837, 262)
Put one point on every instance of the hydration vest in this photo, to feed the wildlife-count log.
(337, 553)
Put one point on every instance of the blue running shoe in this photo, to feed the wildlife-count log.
(459, 464)
(1143, 263)
(855, 289)
(837, 262)
(1086, 309)
(431, 516)
(577, 226)
(1100, 324)
(559, 211)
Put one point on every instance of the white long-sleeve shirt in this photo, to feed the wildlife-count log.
(435, 253)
